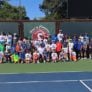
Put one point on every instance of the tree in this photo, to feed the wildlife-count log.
(9, 12)
(54, 9)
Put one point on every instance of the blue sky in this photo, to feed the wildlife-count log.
(32, 7)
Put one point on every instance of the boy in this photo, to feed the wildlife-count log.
(15, 58)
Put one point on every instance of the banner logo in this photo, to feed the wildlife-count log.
(39, 32)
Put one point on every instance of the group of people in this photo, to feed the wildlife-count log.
(55, 48)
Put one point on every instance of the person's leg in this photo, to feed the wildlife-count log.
(77, 56)
(79, 53)
(82, 53)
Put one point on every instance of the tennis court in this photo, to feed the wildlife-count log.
(47, 82)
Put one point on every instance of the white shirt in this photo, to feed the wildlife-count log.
(70, 44)
(28, 55)
(60, 36)
(2, 38)
(40, 50)
(8, 47)
(54, 55)
(53, 46)
(73, 53)
(48, 47)
(81, 38)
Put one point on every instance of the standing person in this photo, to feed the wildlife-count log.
(60, 36)
(1, 56)
(53, 46)
(18, 48)
(2, 48)
(48, 50)
(22, 55)
(40, 50)
(9, 39)
(81, 38)
(7, 55)
(15, 37)
(58, 47)
(7, 47)
(77, 48)
(2, 38)
(70, 47)
(89, 49)
(84, 49)
(53, 38)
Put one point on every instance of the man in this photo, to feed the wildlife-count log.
(60, 35)
(77, 48)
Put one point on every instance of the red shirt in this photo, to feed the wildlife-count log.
(58, 46)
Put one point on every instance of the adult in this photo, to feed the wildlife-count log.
(58, 47)
(60, 35)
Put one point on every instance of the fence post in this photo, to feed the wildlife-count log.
(57, 24)
(21, 29)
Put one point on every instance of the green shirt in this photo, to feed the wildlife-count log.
(1, 47)
(15, 58)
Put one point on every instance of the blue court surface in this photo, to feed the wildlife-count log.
(47, 82)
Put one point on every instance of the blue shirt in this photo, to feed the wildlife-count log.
(78, 45)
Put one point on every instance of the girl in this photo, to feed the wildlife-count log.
(35, 57)
(61, 55)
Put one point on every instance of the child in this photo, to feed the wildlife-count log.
(46, 56)
(28, 57)
(22, 55)
(73, 56)
(7, 55)
(35, 57)
(15, 58)
(61, 55)
(54, 56)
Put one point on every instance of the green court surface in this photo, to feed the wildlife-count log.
(81, 65)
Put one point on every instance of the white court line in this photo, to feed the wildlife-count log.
(50, 81)
(48, 72)
(28, 82)
(86, 80)
(84, 84)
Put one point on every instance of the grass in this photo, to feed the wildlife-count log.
(82, 65)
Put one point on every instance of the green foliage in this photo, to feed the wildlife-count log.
(9, 12)
(54, 9)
